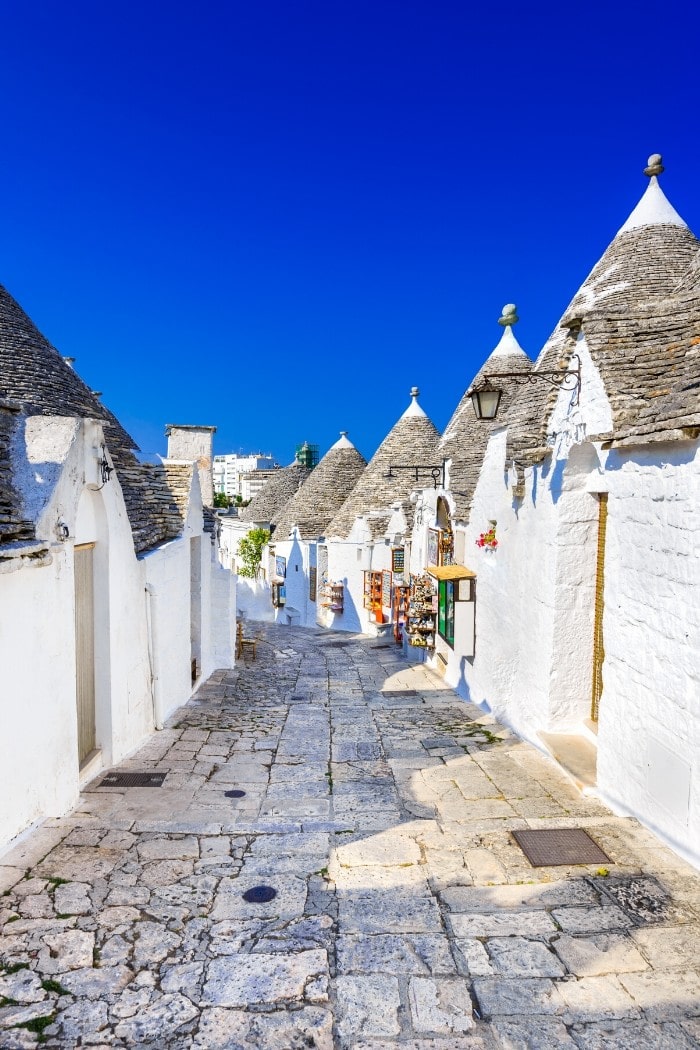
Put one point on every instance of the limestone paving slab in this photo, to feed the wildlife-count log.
(379, 806)
(423, 954)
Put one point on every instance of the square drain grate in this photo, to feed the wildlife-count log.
(548, 847)
(130, 780)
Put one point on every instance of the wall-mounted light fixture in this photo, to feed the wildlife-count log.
(104, 466)
(62, 530)
(437, 474)
(486, 396)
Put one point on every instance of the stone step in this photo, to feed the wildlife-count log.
(576, 754)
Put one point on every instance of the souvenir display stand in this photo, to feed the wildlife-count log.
(420, 629)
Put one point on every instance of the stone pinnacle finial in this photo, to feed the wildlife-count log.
(509, 315)
(415, 391)
(655, 167)
(343, 433)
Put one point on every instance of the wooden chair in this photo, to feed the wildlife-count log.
(241, 642)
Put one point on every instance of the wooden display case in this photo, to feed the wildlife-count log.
(373, 595)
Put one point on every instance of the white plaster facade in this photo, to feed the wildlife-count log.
(532, 664)
(535, 595)
(153, 615)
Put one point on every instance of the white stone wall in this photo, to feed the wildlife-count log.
(142, 624)
(649, 729)
(223, 617)
(166, 588)
(347, 562)
(254, 600)
(38, 742)
(535, 607)
(298, 609)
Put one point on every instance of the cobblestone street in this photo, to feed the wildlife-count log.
(379, 807)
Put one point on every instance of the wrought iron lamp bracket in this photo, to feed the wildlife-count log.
(568, 380)
(105, 468)
(437, 473)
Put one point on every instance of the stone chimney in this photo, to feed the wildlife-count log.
(194, 445)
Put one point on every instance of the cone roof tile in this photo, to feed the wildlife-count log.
(650, 269)
(314, 504)
(412, 441)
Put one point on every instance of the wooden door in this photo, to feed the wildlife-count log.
(598, 646)
(85, 648)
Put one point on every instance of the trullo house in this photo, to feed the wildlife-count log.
(366, 537)
(577, 533)
(300, 595)
(112, 603)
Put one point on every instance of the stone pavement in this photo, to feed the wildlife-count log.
(379, 807)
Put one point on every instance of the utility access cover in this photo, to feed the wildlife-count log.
(128, 780)
(548, 847)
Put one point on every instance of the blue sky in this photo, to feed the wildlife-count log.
(276, 218)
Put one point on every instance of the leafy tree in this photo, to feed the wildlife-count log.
(250, 550)
(221, 500)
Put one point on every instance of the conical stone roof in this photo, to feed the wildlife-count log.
(275, 494)
(465, 438)
(33, 373)
(35, 377)
(412, 442)
(321, 496)
(646, 262)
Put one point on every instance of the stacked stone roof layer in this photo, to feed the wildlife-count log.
(314, 504)
(412, 442)
(273, 497)
(14, 528)
(649, 360)
(647, 270)
(33, 374)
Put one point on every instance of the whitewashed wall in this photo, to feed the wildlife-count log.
(535, 607)
(649, 728)
(254, 600)
(142, 624)
(39, 742)
(298, 609)
(347, 562)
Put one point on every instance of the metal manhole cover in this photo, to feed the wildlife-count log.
(148, 780)
(548, 847)
(236, 793)
(259, 894)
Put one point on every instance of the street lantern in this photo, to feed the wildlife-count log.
(485, 400)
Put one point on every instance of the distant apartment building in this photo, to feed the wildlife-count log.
(242, 476)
